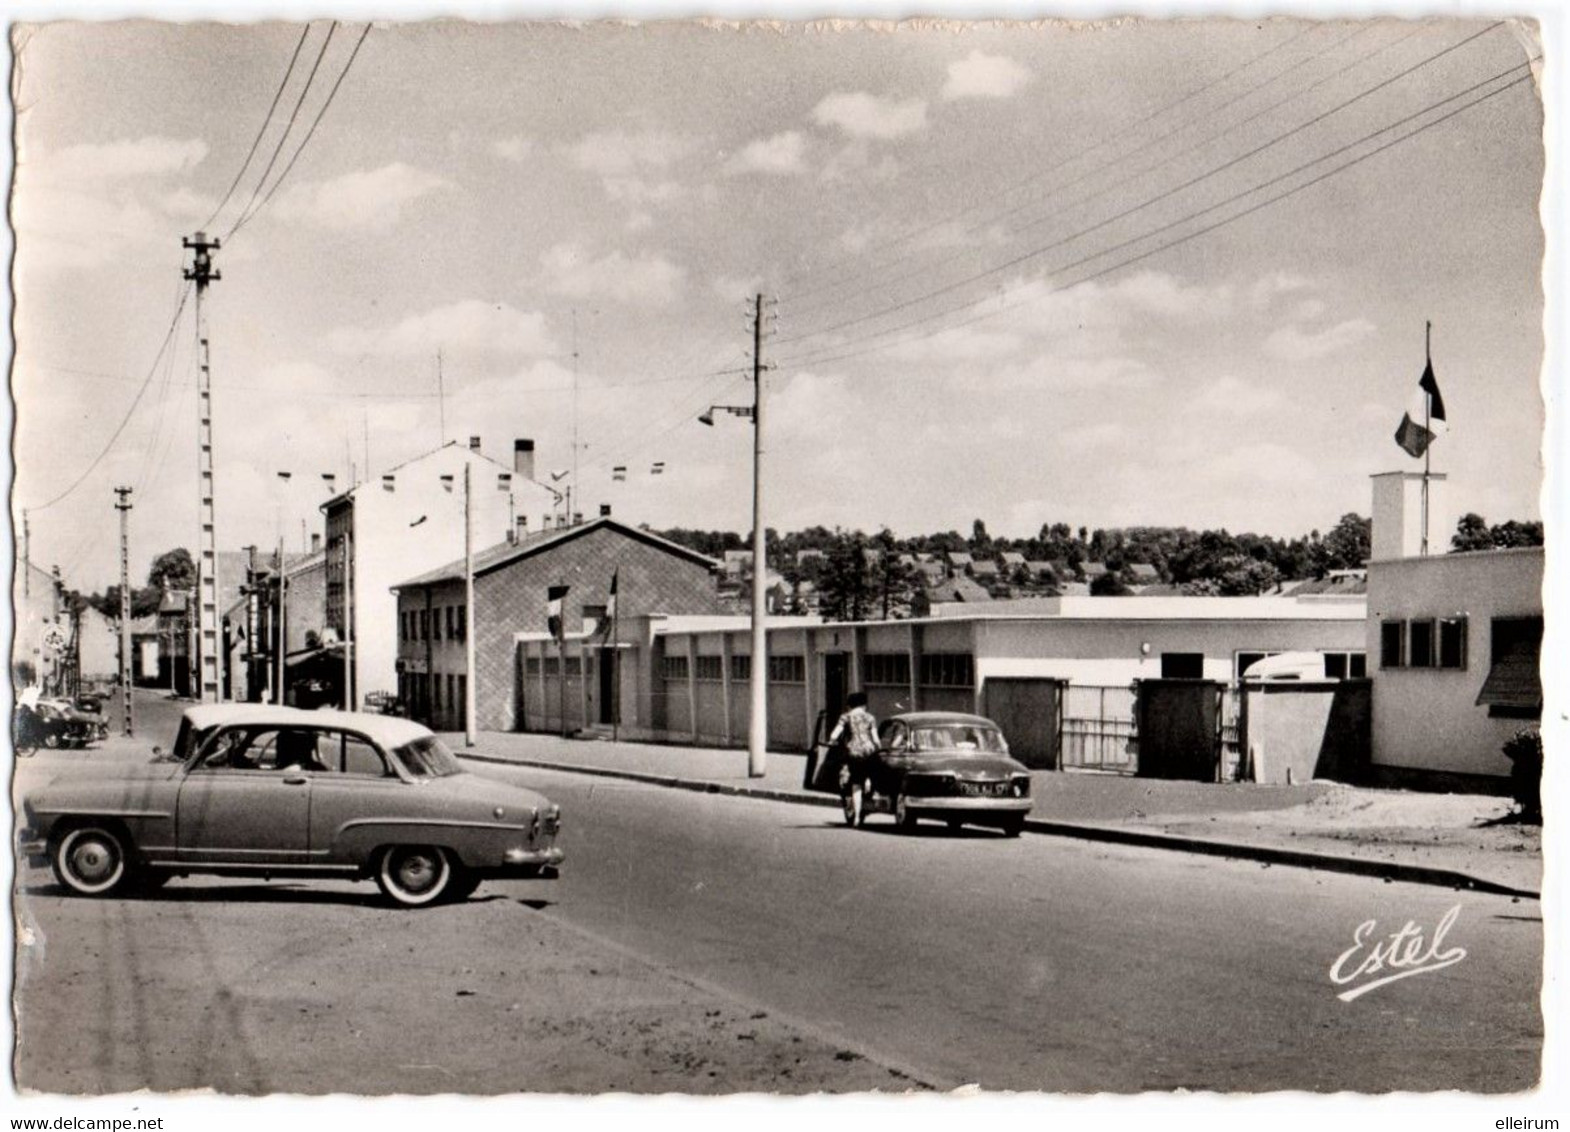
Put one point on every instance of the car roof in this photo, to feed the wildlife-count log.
(928, 718)
(387, 730)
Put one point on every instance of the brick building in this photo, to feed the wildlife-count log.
(655, 577)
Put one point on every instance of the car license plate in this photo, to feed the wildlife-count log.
(982, 789)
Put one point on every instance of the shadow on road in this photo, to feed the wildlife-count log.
(888, 829)
(251, 894)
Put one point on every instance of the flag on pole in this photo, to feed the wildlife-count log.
(553, 617)
(619, 472)
(1424, 421)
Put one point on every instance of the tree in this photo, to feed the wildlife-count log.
(846, 591)
(897, 582)
(1349, 543)
(173, 570)
(1110, 584)
(980, 540)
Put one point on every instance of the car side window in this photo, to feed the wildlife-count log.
(243, 749)
(894, 738)
(361, 758)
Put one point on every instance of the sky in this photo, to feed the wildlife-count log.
(1012, 272)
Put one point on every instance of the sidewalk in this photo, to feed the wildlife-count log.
(1441, 839)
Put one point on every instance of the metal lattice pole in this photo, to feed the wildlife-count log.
(123, 505)
(207, 660)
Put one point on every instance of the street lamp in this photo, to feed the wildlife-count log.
(758, 720)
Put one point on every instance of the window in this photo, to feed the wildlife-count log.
(452, 692)
(1182, 665)
(403, 625)
(463, 622)
(711, 668)
(1357, 665)
(1420, 644)
(948, 670)
(424, 624)
(886, 669)
(1514, 689)
(452, 626)
(741, 668)
(552, 665)
(1246, 659)
(436, 624)
(1392, 644)
(531, 666)
(788, 669)
(463, 694)
(359, 757)
(673, 667)
(1452, 642)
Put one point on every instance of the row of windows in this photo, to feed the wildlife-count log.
(886, 669)
(427, 624)
(551, 665)
(1423, 643)
(429, 693)
(938, 670)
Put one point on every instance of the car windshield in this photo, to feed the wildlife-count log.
(427, 757)
(958, 737)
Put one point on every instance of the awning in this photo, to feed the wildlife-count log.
(1513, 682)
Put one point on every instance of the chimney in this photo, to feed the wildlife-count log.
(605, 510)
(1398, 516)
(577, 518)
(520, 527)
(523, 459)
(474, 444)
(316, 542)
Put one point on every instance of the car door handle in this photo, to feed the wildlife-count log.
(296, 780)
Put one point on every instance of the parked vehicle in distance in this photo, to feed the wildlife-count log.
(950, 766)
(55, 724)
(263, 791)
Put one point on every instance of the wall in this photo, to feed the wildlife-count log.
(1427, 719)
(416, 527)
(1308, 730)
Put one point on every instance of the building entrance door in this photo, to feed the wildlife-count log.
(836, 683)
(607, 667)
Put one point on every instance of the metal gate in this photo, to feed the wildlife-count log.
(1028, 710)
(1097, 728)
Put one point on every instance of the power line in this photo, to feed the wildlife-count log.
(245, 213)
(266, 121)
(1156, 199)
(819, 360)
(1117, 134)
(125, 420)
(1159, 163)
(311, 132)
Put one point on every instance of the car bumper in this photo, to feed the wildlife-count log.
(525, 863)
(957, 804)
(32, 848)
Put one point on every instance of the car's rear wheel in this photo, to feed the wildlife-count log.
(52, 740)
(414, 876)
(90, 860)
(904, 816)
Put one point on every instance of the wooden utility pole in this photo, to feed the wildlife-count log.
(758, 722)
(123, 505)
(470, 622)
(207, 675)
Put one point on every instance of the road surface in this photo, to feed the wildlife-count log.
(711, 944)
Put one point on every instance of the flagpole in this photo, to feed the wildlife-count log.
(1428, 408)
(615, 704)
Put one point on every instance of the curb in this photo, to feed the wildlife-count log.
(1296, 858)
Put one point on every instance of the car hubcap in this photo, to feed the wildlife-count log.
(92, 862)
(416, 873)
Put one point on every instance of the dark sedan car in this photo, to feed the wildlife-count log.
(949, 766)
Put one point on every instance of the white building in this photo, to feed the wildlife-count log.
(409, 520)
(1453, 641)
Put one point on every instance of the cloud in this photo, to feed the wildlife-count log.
(1095, 437)
(632, 279)
(1235, 397)
(1291, 343)
(617, 152)
(116, 161)
(370, 200)
(1268, 287)
(959, 343)
(514, 149)
(780, 154)
(1067, 373)
(866, 115)
(638, 191)
(471, 324)
(735, 289)
(984, 76)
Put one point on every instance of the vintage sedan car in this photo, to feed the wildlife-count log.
(948, 766)
(252, 790)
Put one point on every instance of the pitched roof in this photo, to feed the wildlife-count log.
(1012, 558)
(506, 553)
(1143, 570)
(1093, 569)
(984, 569)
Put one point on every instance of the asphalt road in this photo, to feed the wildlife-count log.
(709, 944)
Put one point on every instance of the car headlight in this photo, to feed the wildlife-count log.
(1021, 786)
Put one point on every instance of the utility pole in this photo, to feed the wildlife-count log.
(470, 622)
(281, 629)
(207, 660)
(758, 722)
(123, 505)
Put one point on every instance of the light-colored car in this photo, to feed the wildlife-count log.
(253, 790)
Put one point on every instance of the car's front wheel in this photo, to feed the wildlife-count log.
(90, 860)
(904, 816)
(414, 876)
